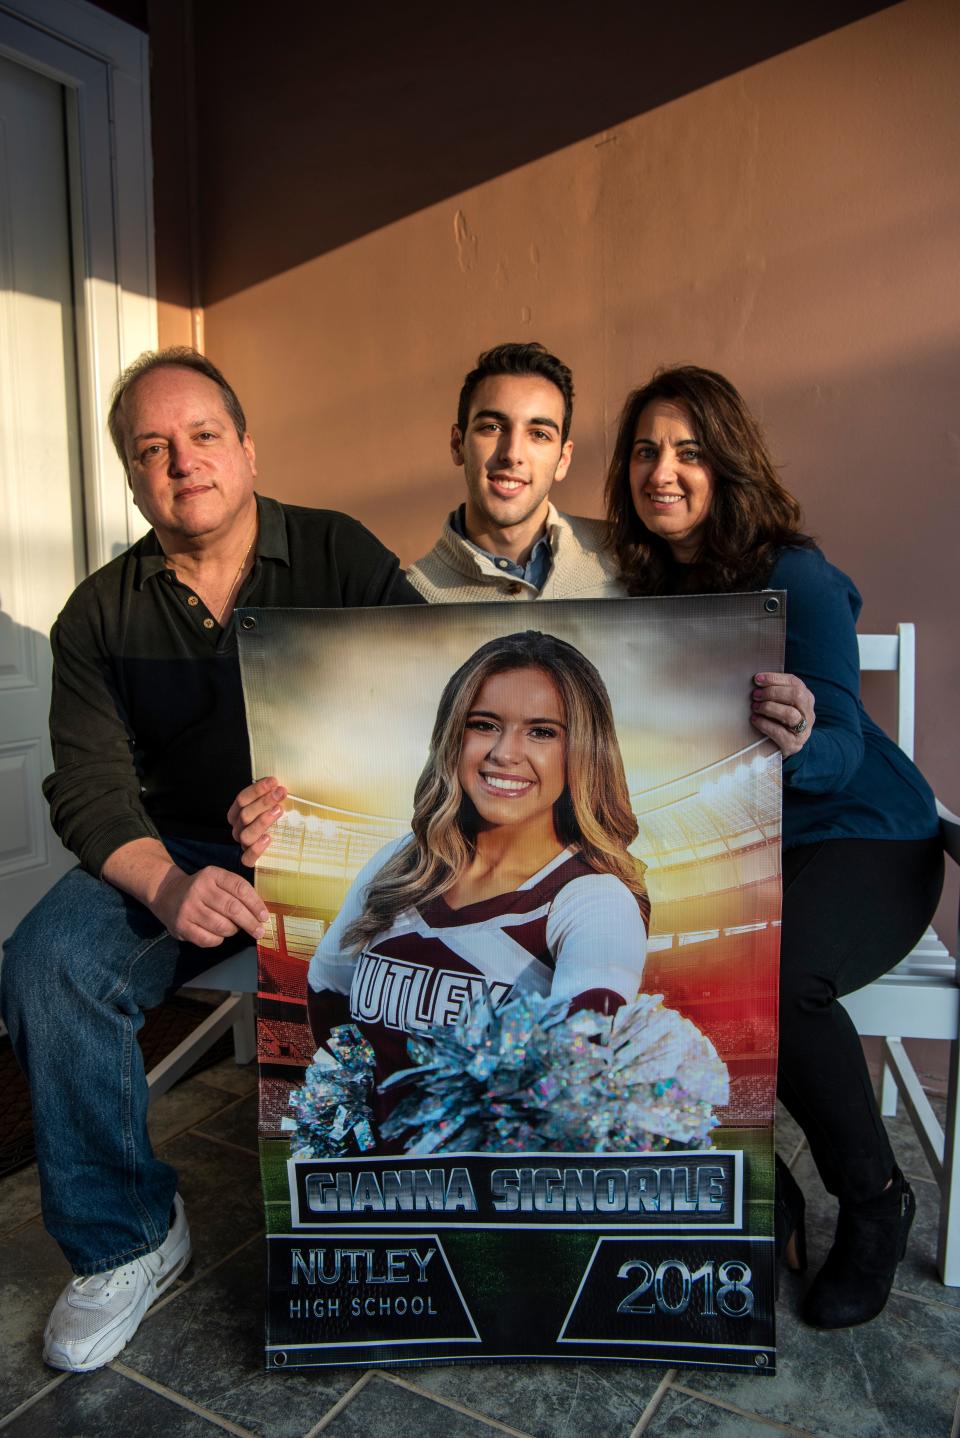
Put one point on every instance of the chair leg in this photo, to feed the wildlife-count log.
(166, 1073)
(888, 1092)
(948, 1243)
(245, 1031)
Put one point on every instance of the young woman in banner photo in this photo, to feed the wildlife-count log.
(516, 875)
(696, 507)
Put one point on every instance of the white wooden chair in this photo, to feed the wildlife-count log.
(920, 998)
(238, 976)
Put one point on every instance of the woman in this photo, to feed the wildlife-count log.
(516, 875)
(695, 506)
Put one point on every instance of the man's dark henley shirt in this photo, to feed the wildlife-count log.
(147, 719)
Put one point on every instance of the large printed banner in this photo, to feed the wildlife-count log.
(517, 1011)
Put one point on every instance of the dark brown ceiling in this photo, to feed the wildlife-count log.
(134, 12)
(289, 129)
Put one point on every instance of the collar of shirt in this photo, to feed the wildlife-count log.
(271, 542)
(537, 567)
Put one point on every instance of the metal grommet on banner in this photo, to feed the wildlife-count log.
(248, 622)
(771, 605)
(279, 1360)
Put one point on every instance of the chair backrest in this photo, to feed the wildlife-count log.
(896, 653)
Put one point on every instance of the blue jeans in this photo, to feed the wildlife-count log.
(76, 974)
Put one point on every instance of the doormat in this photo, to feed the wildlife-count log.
(163, 1029)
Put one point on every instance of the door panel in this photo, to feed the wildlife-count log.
(41, 533)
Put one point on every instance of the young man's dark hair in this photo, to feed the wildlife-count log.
(519, 359)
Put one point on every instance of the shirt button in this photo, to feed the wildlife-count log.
(503, 563)
(193, 600)
(208, 624)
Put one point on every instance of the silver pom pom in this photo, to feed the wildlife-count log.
(526, 1077)
(331, 1112)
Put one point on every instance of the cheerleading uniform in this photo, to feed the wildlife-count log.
(565, 930)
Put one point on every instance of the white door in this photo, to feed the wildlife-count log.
(41, 493)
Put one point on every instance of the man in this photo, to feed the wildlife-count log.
(150, 746)
(507, 541)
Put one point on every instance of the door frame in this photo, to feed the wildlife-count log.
(103, 65)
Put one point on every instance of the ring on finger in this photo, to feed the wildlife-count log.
(799, 727)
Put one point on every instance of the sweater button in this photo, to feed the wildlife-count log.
(514, 589)
(192, 600)
(208, 624)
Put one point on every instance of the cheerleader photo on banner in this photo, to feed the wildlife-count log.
(517, 1015)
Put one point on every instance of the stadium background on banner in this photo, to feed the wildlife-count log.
(709, 835)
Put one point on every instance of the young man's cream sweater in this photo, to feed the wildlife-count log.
(456, 572)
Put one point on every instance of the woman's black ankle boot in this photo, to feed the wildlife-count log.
(854, 1283)
(788, 1219)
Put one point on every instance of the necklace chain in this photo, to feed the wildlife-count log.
(236, 578)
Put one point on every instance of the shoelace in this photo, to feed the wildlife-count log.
(93, 1289)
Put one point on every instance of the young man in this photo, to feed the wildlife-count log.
(507, 541)
(150, 746)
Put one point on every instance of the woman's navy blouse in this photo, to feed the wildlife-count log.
(849, 781)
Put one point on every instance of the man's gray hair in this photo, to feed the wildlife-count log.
(177, 357)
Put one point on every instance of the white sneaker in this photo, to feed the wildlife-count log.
(95, 1317)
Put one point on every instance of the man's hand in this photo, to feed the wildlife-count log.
(252, 814)
(209, 906)
(782, 705)
(203, 908)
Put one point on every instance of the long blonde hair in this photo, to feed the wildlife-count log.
(593, 813)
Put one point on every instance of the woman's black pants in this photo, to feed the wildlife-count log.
(852, 909)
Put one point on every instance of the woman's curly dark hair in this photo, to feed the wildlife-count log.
(751, 515)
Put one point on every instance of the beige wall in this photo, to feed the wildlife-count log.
(795, 226)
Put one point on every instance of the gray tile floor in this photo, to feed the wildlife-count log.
(195, 1367)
